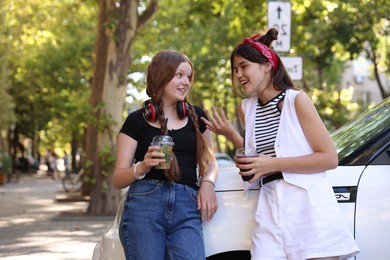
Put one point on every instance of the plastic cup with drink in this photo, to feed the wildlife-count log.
(166, 144)
(246, 153)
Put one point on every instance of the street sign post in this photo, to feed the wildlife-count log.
(294, 67)
(279, 16)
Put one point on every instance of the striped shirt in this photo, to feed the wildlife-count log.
(267, 125)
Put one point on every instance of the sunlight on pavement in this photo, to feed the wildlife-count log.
(15, 221)
(35, 226)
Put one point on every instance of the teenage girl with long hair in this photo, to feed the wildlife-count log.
(164, 209)
(297, 215)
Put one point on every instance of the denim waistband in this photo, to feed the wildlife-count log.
(170, 183)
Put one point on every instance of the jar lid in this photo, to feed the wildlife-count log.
(160, 140)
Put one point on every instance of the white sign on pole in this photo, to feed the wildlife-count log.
(279, 16)
(294, 67)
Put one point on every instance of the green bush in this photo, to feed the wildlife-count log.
(5, 163)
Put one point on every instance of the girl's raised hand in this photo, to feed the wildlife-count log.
(217, 122)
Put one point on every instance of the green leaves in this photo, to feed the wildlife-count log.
(47, 52)
(51, 61)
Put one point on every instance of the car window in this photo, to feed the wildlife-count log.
(224, 160)
(383, 158)
(363, 129)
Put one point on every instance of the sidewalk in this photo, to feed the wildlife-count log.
(34, 225)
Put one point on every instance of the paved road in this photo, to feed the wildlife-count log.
(35, 225)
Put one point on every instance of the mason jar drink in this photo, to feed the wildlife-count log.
(166, 144)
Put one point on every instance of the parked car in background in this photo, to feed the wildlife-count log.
(224, 159)
(361, 184)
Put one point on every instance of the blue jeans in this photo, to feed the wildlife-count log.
(160, 221)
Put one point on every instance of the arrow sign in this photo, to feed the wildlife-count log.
(279, 16)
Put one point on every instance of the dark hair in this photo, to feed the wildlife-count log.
(280, 78)
(161, 70)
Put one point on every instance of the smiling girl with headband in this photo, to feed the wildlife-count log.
(297, 216)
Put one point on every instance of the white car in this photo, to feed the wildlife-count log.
(361, 184)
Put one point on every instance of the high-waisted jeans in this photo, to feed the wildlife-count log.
(160, 221)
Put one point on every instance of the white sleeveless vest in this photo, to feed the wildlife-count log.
(290, 138)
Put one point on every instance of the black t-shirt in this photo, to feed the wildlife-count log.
(184, 149)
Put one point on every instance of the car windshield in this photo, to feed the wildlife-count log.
(354, 134)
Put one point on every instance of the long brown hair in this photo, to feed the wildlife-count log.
(161, 70)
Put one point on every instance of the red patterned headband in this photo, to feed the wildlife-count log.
(263, 49)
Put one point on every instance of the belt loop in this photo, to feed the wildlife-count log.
(261, 181)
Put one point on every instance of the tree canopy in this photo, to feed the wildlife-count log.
(48, 50)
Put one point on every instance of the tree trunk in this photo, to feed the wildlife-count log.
(371, 53)
(116, 30)
(74, 148)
